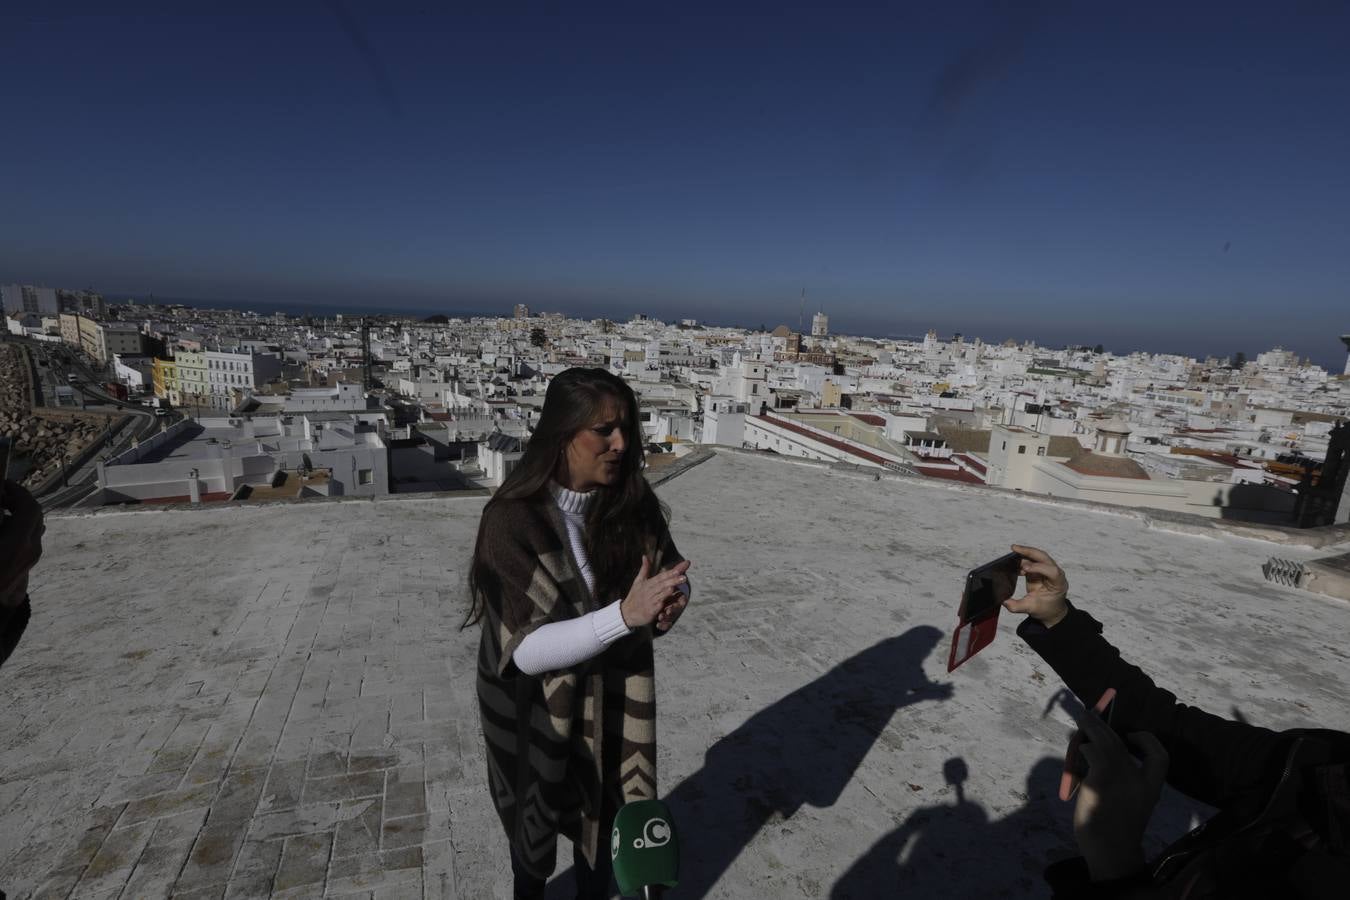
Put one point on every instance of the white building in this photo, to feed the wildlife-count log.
(823, 436)
(1019, 459)
(745, 381)
(723, 421)
(120, 338)
(498, 456)
(243, 458)
(1013, 451)
(237, 373)
(29, 298)
(342, 397)
(136, 372)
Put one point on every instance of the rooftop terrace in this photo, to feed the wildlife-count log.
(231, 701)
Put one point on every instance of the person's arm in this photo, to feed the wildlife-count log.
(21, 530)
(1212, 759)
(561, 645)
(539, 642)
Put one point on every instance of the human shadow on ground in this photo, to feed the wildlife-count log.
(955, 850)
(804, 749)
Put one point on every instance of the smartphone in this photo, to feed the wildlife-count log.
(1075, 765)
(986, 589)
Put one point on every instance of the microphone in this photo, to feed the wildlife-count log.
(645, 849)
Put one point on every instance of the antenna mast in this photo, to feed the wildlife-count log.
(365, 354)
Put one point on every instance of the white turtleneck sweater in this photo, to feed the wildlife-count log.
(560, 645)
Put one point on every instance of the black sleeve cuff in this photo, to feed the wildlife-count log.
(1073, 626)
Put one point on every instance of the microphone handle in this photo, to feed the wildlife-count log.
(653, 891)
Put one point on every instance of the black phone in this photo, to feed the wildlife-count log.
(1075, 765)
(989, 585)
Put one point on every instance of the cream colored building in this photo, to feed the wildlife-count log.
(70, 328)
(192, 378)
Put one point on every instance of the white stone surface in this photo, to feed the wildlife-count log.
(233, 701)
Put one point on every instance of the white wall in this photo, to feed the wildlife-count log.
(1201, 498)
(1007, 466)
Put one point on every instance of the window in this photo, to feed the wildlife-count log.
(1005, 445)
(1021, 448)
(1040, 451)
(365, 476)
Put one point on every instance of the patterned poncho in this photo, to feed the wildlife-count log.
(562, 745)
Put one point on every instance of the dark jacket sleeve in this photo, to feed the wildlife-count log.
(12, 625)
(1213, 760)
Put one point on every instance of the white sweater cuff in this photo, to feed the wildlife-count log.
(609, 624)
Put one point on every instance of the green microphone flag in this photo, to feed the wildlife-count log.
(645, 848)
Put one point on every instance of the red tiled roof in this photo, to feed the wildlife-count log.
(869, 419)
(825, 439)
(948, 474)
(972, 462)
(1102, 466)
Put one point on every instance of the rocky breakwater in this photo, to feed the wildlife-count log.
(42, 438)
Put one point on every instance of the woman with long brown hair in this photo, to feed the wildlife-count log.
(574, 573)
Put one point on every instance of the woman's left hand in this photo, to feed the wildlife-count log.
(670, 613)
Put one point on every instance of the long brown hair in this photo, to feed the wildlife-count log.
(621, 516)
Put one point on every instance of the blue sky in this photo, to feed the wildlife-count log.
(1141, 176)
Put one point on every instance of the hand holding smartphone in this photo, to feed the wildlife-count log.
(1075, 766)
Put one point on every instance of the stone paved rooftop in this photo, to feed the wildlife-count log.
(277, 699)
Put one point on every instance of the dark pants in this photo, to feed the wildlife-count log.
(592, 884)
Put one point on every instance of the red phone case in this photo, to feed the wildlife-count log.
(974, 633)
(972, 637)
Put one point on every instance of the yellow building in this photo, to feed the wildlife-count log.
(91, 339)
(165, 378)
(831, 394)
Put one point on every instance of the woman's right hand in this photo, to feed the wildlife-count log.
(649, 593)
(1047, 596)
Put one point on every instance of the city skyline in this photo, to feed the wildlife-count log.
(1329, 359)
(977, 170)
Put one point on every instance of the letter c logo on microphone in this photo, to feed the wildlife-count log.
(656, 833)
